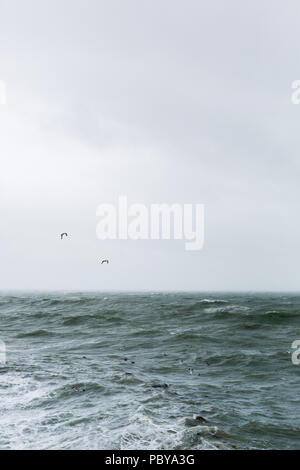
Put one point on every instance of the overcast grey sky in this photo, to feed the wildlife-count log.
(163, 101)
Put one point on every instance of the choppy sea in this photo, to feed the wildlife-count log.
(149, 371)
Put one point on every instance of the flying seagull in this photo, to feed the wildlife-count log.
(62, 235)
(105, 261)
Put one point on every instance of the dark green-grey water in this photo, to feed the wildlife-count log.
(132, 371)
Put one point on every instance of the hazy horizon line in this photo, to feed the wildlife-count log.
(192, 291)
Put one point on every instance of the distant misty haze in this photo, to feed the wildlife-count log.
(163, 101)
